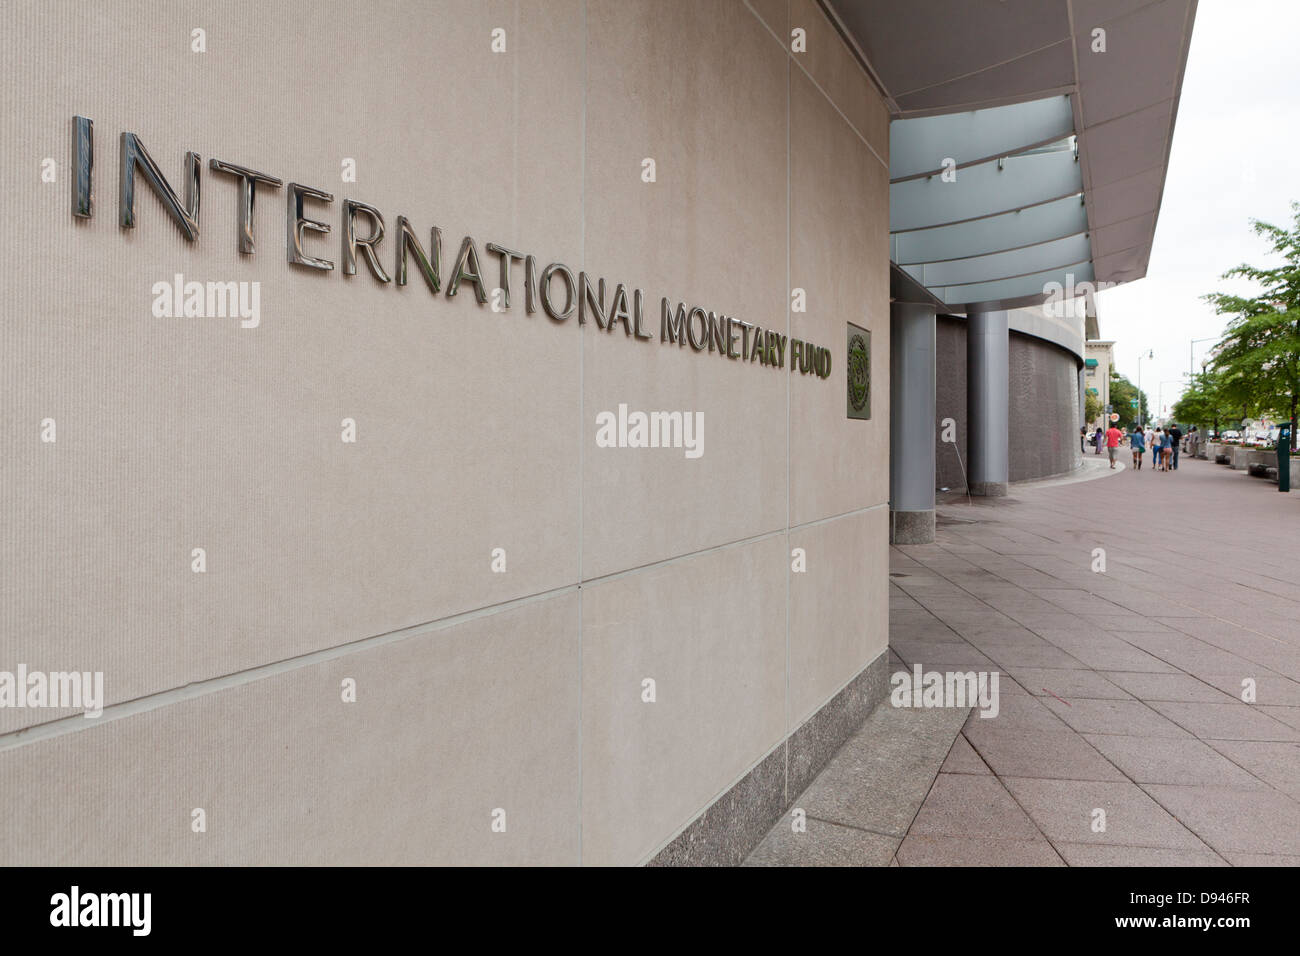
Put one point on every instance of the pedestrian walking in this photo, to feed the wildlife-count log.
(1099, 439)
(1158, 450)
(1175, 444)
(1137, 442)
(1083, 438)
(1113, 436)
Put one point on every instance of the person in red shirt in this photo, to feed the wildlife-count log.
(1113, 436)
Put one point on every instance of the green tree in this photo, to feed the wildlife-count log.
(1123, 394)
(1259, 354)
(1205, 403)
(1091, 409)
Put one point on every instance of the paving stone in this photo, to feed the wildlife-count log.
(1038, 621)
(1019, 711)
(1061, 756)
(977, 807)
(1277, 763)
(1180, 687)
(1113, 717)
(1072, 599)
(1262, 859)
(942, 656)
(988, 639)
(1162, 760)
(962, 758)
(1009, 685)
(1120, 658)
(1012, 656)
(1125, 622)
(1097, 854)
(823, 844)
(1082, 632)
(1069, 683)
(1226, 721)
(1288, 715)
(1269, 688)
(1188, 653)
(1064, 811)
(879, 778)
(924, 850)
(1253, 821)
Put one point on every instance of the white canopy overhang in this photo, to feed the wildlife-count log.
(1059, 148)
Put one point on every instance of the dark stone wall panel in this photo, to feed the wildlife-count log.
(950, 401)
(1044, 398)
(1043, 416)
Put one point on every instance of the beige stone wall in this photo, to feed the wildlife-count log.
(476, 690)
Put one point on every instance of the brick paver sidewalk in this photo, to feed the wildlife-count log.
(1121, 690)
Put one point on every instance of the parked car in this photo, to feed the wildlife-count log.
(1231, 436)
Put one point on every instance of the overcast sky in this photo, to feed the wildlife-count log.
(1236, 156)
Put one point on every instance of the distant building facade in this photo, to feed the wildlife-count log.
(1099, 358)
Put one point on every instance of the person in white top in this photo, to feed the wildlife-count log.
(1151, 446)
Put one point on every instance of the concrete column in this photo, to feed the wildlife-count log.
(987, 402)
(1083, 401)
(1083, 398)
(911, 422)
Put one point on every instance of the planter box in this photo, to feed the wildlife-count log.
(1240, 457)
(1295, 475)
(1261, 463)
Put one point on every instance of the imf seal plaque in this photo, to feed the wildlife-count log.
(858, 372)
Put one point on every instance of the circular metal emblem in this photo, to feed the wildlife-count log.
(859, 370)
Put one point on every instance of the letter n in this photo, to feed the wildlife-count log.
(133, 156)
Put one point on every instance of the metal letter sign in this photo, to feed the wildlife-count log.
(858, 372)
(731, 338)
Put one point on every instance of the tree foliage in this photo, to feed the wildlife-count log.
(1091, 409)
(1123, 394)
(1209, 404)
(1258, 358)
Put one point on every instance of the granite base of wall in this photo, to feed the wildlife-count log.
(988, 489)
(726, 832)
(911, 527)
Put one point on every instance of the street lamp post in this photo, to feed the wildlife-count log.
(1191, 355)
(1150, 355)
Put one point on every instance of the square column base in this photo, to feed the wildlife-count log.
(911, 527)
(988, 489)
